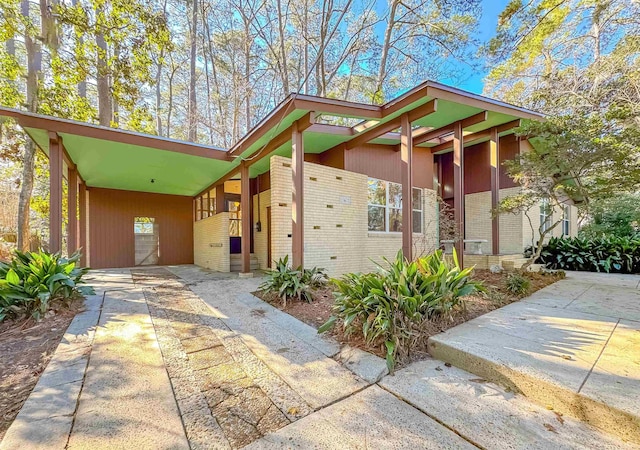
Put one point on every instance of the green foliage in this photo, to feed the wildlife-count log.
(618, 216)
(288, 283)
(388, 306)
(605, 254)
(32, 280)
(518, 284)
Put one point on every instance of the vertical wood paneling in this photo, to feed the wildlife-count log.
(384, 162)
(112, 213)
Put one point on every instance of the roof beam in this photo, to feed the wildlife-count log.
(484, 134)
(304, 123)
(335, 106)
(466, 122)
(387, 127)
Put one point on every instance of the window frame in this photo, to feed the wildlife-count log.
(566, 220)
(388, 207)
(546, 216)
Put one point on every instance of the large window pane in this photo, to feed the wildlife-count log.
(377, 218)
(417, 221)
(417, 198)
(377, 192)
(395, 219)
(395, 195)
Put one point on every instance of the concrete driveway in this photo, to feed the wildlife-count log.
(180, 357)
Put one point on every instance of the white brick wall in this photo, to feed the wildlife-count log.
(211, 246)
(335, 219)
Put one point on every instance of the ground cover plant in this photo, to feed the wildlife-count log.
(498, 292)
(599, 254)
(390, 305)
(287, 283)
(31, 281)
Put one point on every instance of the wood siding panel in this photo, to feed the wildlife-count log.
(477, 176)
(112, 213)
(383, 162)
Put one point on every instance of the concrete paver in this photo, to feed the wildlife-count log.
(568, 346)
(372, 418)
(126, 396)
(488, 414)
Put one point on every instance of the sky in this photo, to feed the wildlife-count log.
(487, 28)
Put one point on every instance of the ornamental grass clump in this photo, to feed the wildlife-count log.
(288, 283)
(31, 281)
(389, 306)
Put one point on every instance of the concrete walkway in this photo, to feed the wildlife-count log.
(184, 358)
(573, 346)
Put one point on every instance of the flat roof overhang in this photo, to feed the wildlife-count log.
(119, 159)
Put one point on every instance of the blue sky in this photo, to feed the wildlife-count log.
(488, 22)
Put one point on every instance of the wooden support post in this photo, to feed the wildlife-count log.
(494, 158)
(208, 203)
(406, 156)
(297, 199)
(458, 190)
(72, 211)
(55, 193)
(220, 201)
(245, 208)
(82, 200)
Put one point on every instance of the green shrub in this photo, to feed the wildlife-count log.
(32, 280)
(518, 284)
(388, 306)
(604, 254)
(288, 283)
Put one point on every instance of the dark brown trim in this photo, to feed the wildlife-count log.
(297, 198)
(494, 159)
(82, 207)
(55, 193)
(447, 129)
(245, 207)
(458, 190)
(56, 125)
(406, 157)
(72, 212)
(220, 202)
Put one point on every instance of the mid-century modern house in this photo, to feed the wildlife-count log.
(319, 179)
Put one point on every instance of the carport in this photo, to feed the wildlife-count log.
(130, 195)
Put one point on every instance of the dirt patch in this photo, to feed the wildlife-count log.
(26, 347)
(318, 312)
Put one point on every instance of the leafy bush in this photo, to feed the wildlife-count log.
(388, 306)
(518, 284)
(32, 280)
(604, 254)
(288, 283)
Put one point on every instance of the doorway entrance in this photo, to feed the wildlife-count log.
(147, 241)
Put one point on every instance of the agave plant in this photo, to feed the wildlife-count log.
(31, 280)
(387, 306)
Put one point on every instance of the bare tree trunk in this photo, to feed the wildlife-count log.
(283, 50)
(159, 95)
(34, 69)
(82, 85)
(114, 100)
(192, 119)
(105, 108)
(386, 46)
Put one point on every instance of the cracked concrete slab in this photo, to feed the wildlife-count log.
(548, 346)
(487, 413)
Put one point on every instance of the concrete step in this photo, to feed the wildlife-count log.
(573, 362)
(488, 415)
(236, 263)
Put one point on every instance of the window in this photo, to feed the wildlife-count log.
(566, 220)
(235, 219)
(385, 207)
(545, 215)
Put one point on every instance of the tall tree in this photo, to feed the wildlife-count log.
(193, 105)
